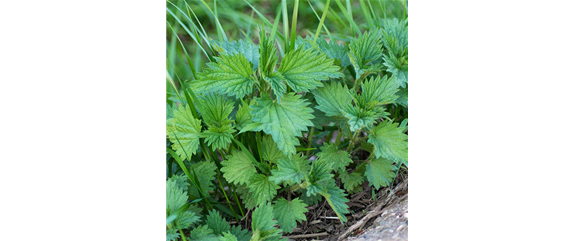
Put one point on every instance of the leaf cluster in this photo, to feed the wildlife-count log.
(275, 130)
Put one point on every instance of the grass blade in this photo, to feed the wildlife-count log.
(367, 14)
(317, 15)
(349, 18)
(285, 24)
(191, 178)
(294, 25)
(322, 21)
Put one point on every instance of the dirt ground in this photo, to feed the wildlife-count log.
(383, 219)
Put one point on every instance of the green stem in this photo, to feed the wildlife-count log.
(226, 198)
(236, 199)
(338, 138)
(310, 140)
(353, 140)
(181, 233)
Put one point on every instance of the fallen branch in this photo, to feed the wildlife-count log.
(307, 235)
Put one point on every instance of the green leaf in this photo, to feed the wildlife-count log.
(364, 51)
(351, 181)
(390, 142)
(243, 115)
(358, 117)
(269, 150)
(183, 131)
(333, 98)
(171, 235)
(319, 176)
(231, 75)
(334, 51)
(277, 82)
(339, 159)
(176, 198)
(312, 199)
(215, 108)
(238, 168)
(403, 97)
(397, 68)
(268, 54)
(202, 231)
(380, 172)
(217, 223)
(249, 50)
(240, 234)
(219, 137)
(394, 36)
(336, 199)
(380, 90)
(292, 169)
(205, 172)
(304, 69)
(246, 197)
(285, 121)
(262, 189)
(288, 213)
(263, 223)
(228, 236)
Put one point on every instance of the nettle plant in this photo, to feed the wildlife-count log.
(255, 133)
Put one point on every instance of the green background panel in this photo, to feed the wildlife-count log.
(491, 116)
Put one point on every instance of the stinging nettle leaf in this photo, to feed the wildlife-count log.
(263, 223)
(288, 213)
(249, 50)
(336, 199)
(290, 169)
(262, 189)
(218, 137)
(231, 75)
(333, 98)
(267, 53)
(243, 115)
(269, 150)
(390, 142)
(380, 172)
(184, 132)
(351, 181)
(380, 90)
(205, 171)
(305, 69)
(285, 121)
(334, 51)
(238, 168)
(240, 234)
(217, 223)
(339, 159)
(319, 177)
(366, 52)
(277, 82)
(176, 198)
(358, 117)
(215, 109)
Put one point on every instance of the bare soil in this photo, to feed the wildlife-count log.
(383, 219)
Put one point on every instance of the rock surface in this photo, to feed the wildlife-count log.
(392, 224)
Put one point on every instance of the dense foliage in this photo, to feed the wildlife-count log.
(276, 123)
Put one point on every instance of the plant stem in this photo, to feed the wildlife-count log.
(353, 140)
(310, 140)
(236, 199)
(338, 138)
(226, 198)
